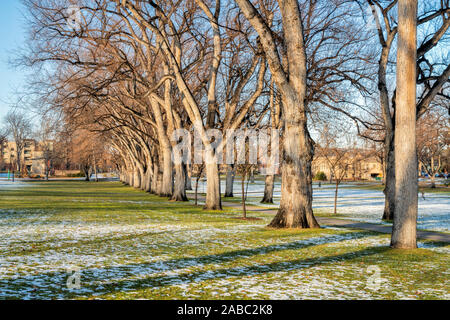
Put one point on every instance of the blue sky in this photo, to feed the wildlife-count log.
(12, 36)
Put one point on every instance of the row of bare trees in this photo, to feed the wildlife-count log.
(137, 72)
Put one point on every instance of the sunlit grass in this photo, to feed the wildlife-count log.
(129, 244)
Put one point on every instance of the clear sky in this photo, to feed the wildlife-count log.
(12, 36)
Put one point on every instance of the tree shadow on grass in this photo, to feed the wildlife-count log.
(53, 284)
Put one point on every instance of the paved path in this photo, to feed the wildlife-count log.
(343, 223)
(421, 234)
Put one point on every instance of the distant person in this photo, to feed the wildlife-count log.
(320, 184)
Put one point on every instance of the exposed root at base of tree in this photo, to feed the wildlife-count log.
(300, 221)
(179, 198)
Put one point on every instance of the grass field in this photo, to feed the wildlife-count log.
(123, 243)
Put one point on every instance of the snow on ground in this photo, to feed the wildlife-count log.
(8, 184)
(39, 250)
(111, 255)
(358, 203)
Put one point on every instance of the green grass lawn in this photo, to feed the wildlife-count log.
(127, 244)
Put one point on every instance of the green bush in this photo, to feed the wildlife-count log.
(321, 176)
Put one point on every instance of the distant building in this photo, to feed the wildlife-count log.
(360, 164)
(32, 157)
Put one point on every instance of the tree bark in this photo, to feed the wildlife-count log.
(406, 188)
(136, 178)
(188, 177)
(213, 199)
(268, 189)
(244, 208)
(179, 191)
(167, 176)
(389, 187)
(155, 178)
(141, 173)
(87, 172)
(336, 196)
(296, 186)
(95, 167)
(47, 169)
(197, 179)
(148, 179)
(229, 181)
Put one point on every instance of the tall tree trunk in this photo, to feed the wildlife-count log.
(389, 187)
(46, 170)
(141, 177)
(229, 181)
(154, 186)
(131, 177)
(188, 177)
(244, 208)
(432, 174)
(148, 179)
(136, 178)
(159, 184)
(389, 124)
(94, 164)
(167, 178)
(296, 185)
(87, 173)
(336, 196)
(179, 191)
(121, 175)
(268, 189)
(197, 179)
(213, 199)
(95, 173)
(406, 188)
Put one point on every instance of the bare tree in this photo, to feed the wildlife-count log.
(46, 135)
(19, 127)
(432, 140)
(337, 157)
(296, 199)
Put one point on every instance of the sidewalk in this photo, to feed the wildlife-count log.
(343, 223)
